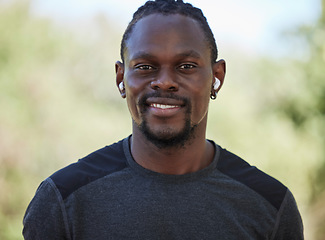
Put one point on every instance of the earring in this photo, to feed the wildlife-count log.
(121, 86)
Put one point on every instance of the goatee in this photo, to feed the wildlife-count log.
(167, 138)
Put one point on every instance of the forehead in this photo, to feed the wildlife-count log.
(173, 33)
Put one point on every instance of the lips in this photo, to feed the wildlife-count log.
(163, 102)
(164, 107)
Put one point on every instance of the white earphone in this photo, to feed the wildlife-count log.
(121, 86)
(216, 84)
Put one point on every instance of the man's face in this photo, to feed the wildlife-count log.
(168, 77)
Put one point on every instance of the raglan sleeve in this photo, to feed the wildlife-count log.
(45, 217)
(289, 223)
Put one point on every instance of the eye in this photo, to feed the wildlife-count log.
(187, 66)
(144, 67)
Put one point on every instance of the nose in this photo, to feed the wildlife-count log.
(165, 81)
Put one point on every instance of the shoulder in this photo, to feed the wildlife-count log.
(239, 170)
(90, 168)
(289, 224)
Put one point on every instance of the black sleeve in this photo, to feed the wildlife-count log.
(45, 217)
(289, 223)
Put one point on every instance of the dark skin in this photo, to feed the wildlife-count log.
(169, 60)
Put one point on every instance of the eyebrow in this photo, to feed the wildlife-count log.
(142, 54)
(189, 53)
(146, 55)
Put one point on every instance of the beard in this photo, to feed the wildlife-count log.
(167, 138)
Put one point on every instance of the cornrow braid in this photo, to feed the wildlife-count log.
(167, 7)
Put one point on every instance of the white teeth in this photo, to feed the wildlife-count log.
(162, 106)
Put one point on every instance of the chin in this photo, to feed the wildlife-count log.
(168, 137)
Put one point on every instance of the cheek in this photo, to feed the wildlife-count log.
(200, 100)
(199, 108)
(201, 87)
(134, 91)
(132, 102)
(201, 103)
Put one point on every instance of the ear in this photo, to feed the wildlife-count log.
(119, 70)
(219, 71)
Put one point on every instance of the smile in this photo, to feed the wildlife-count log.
(163, 106)
(164, 110)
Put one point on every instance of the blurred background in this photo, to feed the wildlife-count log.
(59, 101)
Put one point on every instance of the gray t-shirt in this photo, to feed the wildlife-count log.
(107, 195)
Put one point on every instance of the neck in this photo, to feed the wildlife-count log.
(196, 154)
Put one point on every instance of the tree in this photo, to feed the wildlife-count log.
(307, 110)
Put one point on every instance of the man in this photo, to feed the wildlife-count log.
(165, 181)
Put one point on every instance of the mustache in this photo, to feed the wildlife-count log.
(143, 100)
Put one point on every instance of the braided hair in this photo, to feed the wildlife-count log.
(167, 7)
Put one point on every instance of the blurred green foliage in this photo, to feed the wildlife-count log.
(307, 110)
(57, 96)
(59, 102)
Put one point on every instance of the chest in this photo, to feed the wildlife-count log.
(154, 210)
